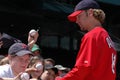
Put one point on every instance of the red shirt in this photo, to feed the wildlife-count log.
(96, 59)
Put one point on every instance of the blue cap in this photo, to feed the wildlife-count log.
(83, 5)
(19, 49)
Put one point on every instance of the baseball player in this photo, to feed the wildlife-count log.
(96, 59)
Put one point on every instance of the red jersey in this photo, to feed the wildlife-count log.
(96, 59)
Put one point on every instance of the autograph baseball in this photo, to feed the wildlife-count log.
(39, 66)
(25, 76)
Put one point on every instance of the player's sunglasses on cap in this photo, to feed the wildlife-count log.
(81, 6)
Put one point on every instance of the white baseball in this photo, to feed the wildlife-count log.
(39, 66)
(25, 76)
(32, 32)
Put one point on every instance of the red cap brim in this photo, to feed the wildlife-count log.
(72, 17)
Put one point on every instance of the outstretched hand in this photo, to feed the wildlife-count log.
(32, 39)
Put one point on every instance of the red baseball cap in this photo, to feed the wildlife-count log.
(81, 6)
(72, 17)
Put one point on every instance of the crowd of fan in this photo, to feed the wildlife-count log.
(24, 58)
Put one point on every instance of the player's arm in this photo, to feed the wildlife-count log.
(83, 66)
(76, 73)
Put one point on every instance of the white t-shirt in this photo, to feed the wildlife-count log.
(6, 71)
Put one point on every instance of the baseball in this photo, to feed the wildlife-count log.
(39, 66)
(25, 76)
(32, 32)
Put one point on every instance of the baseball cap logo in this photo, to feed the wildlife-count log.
(24, 46)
